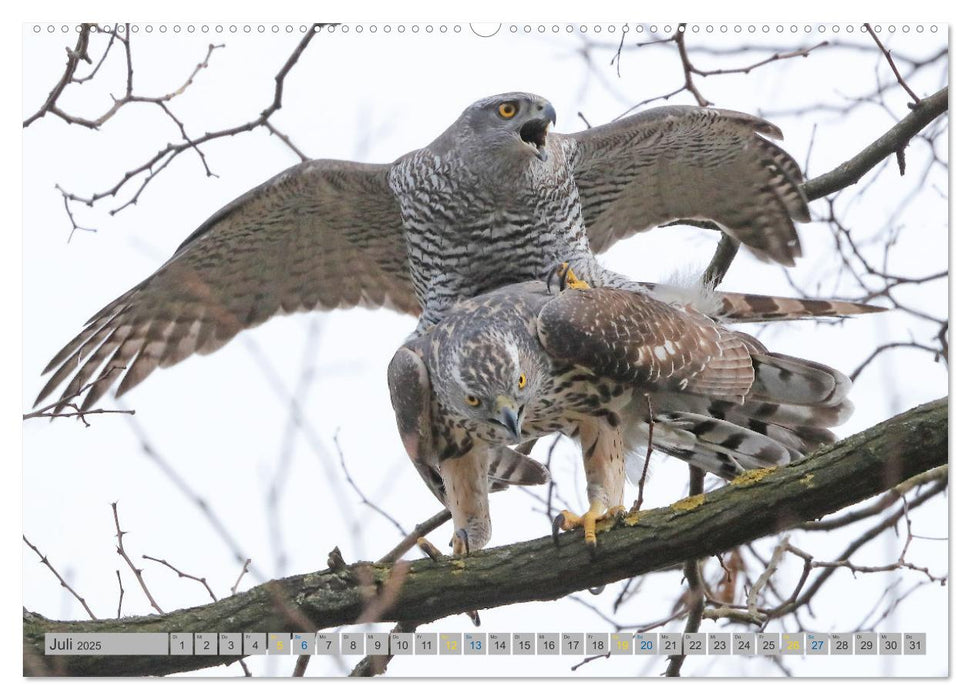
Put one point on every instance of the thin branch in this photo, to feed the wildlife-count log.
(888, 144)
(79, 53)
(589, 659)
(688, 69)
(240, 577)
(121, 592)
(46, 562)
(182, 574)
(720, 261)
(120, 549)
(647, 457)
(937, 475)
(364, 499)
(147, 171)
(56, 409)
(411, 539)
(694, 598)
(758, 504)
(893, 67)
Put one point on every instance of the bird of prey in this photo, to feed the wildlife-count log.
(495, 199)
(601, 365)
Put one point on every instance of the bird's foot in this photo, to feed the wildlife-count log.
(460, 543)
(567, 277)
(598, 513)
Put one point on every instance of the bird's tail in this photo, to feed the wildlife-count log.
(509, 467)
(785, 416)
(733, 307)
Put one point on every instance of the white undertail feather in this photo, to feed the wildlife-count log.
(686, 287)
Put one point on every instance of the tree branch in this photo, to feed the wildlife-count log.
(759, 503)
(893, 141)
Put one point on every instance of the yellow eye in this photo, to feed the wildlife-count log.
(507, 110)
(472, 401)
(522, 380)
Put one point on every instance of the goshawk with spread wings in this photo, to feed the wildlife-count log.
(495, 199)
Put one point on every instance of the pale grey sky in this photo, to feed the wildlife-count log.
(222, 423)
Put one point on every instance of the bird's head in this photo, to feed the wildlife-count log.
(512, 126)
(490, 377)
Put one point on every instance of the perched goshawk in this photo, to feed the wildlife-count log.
(600, 365)
(495, 199)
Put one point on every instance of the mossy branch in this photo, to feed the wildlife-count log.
(758, 504)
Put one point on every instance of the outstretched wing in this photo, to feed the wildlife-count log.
(630, 337)
(323, 234)
(682, 162)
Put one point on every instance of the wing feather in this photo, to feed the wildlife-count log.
(631, 337)
(675, 163)
(323, 234)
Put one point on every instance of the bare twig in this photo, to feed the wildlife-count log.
(121, 592)
(411, 539)
(889, 143)
(694, 598)
(240, 578)
(893, 67)
(589, 659)
(647, 457)
(364, 499)
(182, 574)
(150, 169)
(46, 562)
(183, 486)
(720, 261)
(120, 549)
(79, 53)
(688, 69)
(57, 408)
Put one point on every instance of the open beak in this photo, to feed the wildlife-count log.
(535, 130)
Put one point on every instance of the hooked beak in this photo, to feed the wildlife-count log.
(535, 130)
(508, 416)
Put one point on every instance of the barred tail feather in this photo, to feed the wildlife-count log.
(792, 380)
(715, 445)
(734, 307)
(754, 308)
(786, 415)
(509, 467)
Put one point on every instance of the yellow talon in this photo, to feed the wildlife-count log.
(570, 279)
(597, 513)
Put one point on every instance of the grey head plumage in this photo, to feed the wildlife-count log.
(508, 129)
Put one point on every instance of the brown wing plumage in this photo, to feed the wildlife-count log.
(630, 337)
(323, 234)
(674, 163)
(719, 399)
